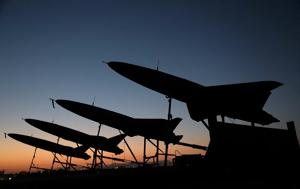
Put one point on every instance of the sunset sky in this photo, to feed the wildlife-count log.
(54, 49)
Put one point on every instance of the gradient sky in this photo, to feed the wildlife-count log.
(54, 49)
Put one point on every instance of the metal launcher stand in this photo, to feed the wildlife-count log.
(131, 152)
(156, 156)
(95, 156)
(169, 119)
(32, 165)
(102, 157)
(54, 155)
(66, 165)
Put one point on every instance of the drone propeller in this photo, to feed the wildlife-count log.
(52, 101)
(5, 134)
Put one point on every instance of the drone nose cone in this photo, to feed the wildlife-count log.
(11, 135)
(114, 65)
(118, 66)
(29, 121)
(68, 104)
(14, 136)
(127, 70)
(64, 103)
(60, 102)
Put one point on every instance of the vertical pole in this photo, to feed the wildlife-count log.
(169, 109)
(212, 122)
(166, 154)
(101, 157)
(169, 118)
(94, 163)
(144, 156)
(67, 163)
(99, 128)
(70, 163)
(157, 153)
(31, 164)
(292, 131)
(54, 155)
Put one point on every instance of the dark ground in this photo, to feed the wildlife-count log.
(147, 178)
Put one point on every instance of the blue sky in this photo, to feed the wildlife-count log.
(54, 49)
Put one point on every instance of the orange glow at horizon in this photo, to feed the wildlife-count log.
(16, 156)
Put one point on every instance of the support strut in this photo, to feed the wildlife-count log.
(94, 163)
(32, 161)
(54, 155)
(169, 119)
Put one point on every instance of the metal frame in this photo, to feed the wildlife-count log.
(156, 156)
(66, 165)
(54, 155)
(169, 118)
(95, 156)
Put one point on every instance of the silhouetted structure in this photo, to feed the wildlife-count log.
(70, 152)
(97, 142)
(160, 129)
(234, 149)
(78, 152)
(240, 101)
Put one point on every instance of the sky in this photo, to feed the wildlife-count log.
(54, 49)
